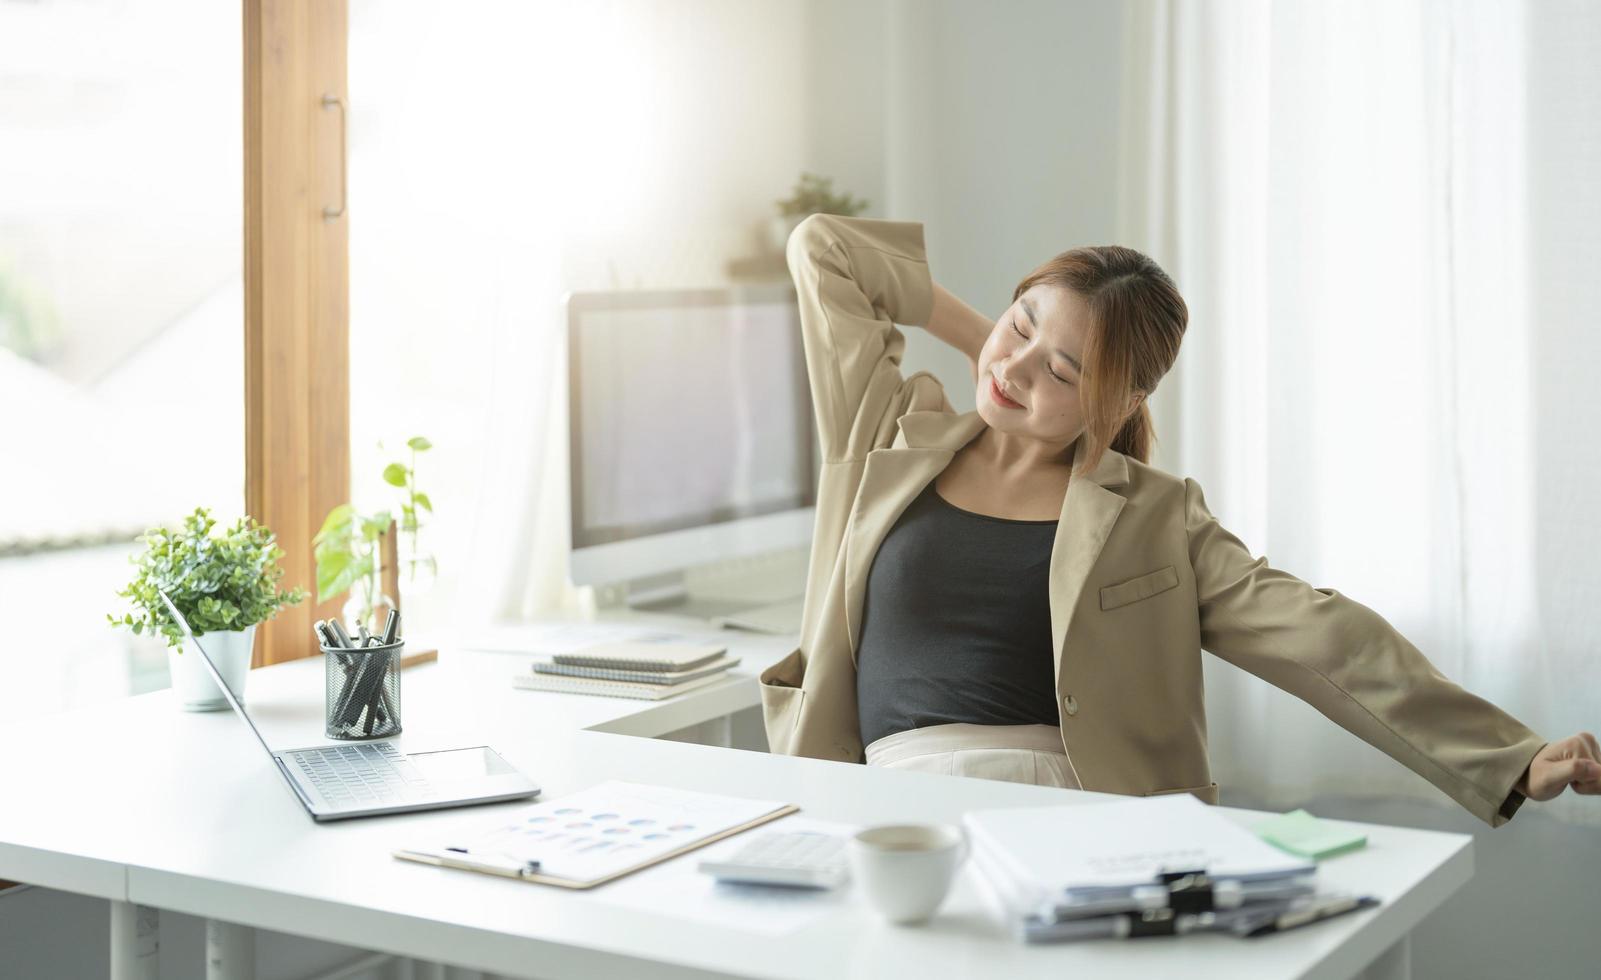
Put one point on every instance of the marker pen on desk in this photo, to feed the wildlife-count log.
(485, 862)
(1300, 914)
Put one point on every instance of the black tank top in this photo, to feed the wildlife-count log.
(956, 622)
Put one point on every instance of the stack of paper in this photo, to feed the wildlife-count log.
(630, 669)
(1070, 872)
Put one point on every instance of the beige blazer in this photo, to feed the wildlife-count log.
(1142, 578)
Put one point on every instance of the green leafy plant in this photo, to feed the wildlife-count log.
(404, 476)
(347, 555)
(814, 194)
(347, 547)
(218, 581)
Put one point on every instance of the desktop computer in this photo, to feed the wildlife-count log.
(691, 446)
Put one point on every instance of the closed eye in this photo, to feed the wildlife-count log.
(1053, 374)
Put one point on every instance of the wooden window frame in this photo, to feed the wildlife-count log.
(297, 292)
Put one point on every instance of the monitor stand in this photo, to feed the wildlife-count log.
(719, 589)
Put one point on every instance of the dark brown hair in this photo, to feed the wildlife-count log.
(1138, 322)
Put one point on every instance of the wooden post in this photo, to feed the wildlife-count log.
(297, 352)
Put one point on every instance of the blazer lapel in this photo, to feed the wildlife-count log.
(1088, 512)
(928, 440)
(890, 482)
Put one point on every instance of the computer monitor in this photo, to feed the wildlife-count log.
(691, 435)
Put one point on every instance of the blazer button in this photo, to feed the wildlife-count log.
(1070, 703)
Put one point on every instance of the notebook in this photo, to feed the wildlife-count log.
(644, 676)
(612, 689)
(634, 655)
(592, 836)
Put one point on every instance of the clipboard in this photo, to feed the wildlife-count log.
(498, 864)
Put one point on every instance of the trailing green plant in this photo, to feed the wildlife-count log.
(218, 581)
(347, 553)
(347, 547)
(814, 194)
(404, 476)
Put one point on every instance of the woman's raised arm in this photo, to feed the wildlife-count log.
(855, 278)
(959, 325)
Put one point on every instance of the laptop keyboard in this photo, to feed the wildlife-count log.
(370, 773)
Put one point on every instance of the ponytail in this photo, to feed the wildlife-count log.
(1137, 435)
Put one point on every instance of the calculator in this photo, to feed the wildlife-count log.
(800, 859)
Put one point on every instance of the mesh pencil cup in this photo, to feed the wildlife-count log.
(362, 692)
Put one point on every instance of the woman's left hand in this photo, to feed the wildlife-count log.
(1575, 761)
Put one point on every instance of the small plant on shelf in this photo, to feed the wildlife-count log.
(814, 194)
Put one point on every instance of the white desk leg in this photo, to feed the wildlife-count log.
(135, 942)
(1394, 963)
(230, 951)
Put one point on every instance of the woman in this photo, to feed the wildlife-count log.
(1014, 593)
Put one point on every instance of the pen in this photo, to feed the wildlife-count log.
(391, 626)
(1300, 913)
(339, 633)
(331, 642)
(484, 862)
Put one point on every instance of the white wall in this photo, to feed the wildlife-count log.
(1003, 137)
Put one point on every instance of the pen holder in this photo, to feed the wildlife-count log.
(363, 691)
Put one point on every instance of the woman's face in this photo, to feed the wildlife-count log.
(1033, 355)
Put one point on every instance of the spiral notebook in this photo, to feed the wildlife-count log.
(643, 676)
(667, 656)
(613, 689)
(592, 836)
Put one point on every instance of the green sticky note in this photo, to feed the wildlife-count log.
(1302, 834)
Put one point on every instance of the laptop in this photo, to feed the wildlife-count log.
(366, 779)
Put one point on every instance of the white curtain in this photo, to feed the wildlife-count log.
(1378, 216)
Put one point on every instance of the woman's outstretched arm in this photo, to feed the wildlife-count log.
(1349, 663)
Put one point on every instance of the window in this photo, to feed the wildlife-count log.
(121, 361)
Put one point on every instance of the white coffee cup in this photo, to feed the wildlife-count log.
(905, 870)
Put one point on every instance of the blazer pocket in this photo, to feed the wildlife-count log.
(1206, 794)
(781, 701)
(1135, 589)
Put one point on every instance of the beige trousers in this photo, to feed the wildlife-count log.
(1014, 753)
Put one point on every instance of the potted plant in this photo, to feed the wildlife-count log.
(348, 547)
(418, 565)
(348, 557)
(813, 194)
(223, 583)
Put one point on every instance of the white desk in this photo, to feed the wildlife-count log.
(181, 811)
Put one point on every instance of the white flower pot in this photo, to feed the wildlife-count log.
(191, 682)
